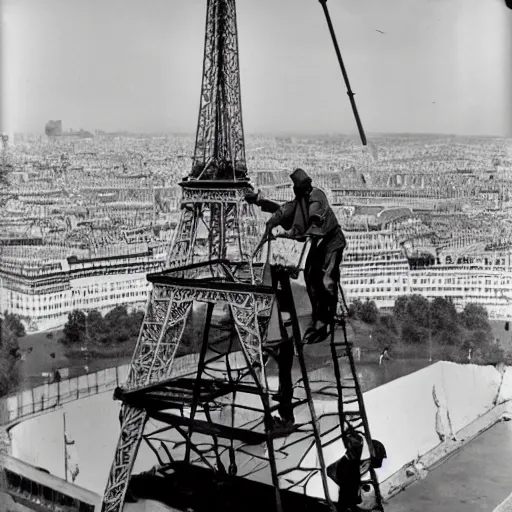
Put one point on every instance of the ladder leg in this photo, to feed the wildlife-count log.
(268, 422)
(338, 376)
(362, 412)
(271, 452)
(128, 444)
(197, 387)
(287, 289)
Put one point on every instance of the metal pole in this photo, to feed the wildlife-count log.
(344, 72)
(65, 449)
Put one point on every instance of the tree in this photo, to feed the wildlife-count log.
(389, 323)
(11, 329)
(385, 332)
(414, 334)
(400, 308)
(136, 319)
(475, 316)
(121, 334)
(14, 325)
(96, 327)
(418, 311)
(477, 339)
(452, 337)
(354, 310)
(493, 354)
(443, 315)
(369, 312)
(116, 316)
(75, 328)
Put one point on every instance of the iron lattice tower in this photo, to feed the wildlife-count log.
(212, 201)
(212, 408)
(215, 223)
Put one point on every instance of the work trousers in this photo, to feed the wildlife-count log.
(285, 364)
(284, 358)
(322, 275)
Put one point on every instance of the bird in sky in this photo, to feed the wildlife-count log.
(380, 31)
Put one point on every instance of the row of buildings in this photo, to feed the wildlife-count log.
(82, 230)
(376, 266)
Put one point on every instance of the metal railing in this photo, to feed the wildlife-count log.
(48, 397)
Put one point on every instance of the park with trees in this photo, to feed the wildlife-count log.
(115, 333)
(414, 328)
(417, 327)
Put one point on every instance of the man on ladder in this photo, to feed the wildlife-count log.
(310, 215)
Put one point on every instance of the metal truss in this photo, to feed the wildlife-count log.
(216, 223)
(245, 444)
(227, 391)
(133, 423)
(220, 148)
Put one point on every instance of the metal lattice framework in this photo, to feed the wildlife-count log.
(159, 338)
(220, 147)
(216, 223)
(210, 227)
(229, 394)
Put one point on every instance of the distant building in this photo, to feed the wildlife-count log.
(53, 128)
(7, 140)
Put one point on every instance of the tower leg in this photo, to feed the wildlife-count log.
(133, 423)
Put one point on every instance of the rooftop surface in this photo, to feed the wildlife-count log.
(477, 478)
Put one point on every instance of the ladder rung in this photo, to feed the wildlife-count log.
(291, 470)
(325, 393)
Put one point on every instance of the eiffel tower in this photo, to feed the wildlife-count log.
(207, 415)
(213, 206)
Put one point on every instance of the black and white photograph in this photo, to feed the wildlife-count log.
(255, 255)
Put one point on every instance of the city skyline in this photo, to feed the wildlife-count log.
(416, 66)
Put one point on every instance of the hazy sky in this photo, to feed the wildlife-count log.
(441, 66)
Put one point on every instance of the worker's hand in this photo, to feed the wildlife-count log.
(293, 236)
(280, 232)
(251, 197)
(268, 233)
(329, 285)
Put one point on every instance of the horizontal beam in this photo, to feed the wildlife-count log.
(209, 284)
(211, 429)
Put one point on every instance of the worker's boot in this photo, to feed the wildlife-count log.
(281, 427)
(320, 333)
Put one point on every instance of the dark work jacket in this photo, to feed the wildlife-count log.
(307, 215)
